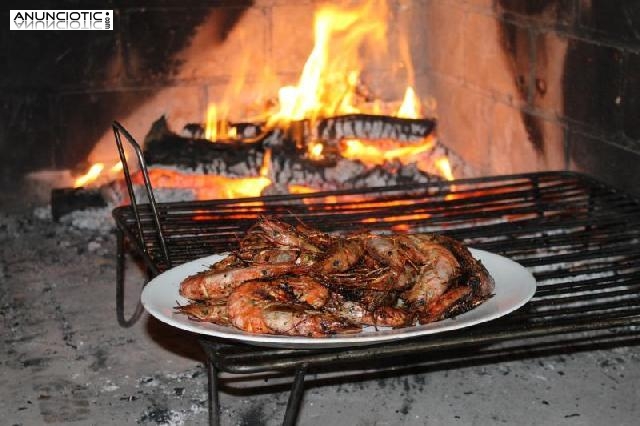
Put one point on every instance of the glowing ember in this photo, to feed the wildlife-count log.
(301, 189)
(375, 153)
(315, 151)
(266, 163)
(207, 186)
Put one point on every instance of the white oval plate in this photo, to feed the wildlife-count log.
(514, 287)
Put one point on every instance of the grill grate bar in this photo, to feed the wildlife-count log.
(619, 279)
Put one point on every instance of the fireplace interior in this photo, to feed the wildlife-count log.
(538, 90)
(548, 86)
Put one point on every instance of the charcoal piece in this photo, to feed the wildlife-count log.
(67, 200)
(363, 126)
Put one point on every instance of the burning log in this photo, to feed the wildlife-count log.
(290, 164)
(234, 158)
(283, 159)
(225, 158)
(344, 173)
(372, 127)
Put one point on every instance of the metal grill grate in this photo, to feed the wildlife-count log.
(579, 237)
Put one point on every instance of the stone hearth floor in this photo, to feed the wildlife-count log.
(65, 360)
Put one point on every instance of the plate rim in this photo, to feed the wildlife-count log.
(176, 274)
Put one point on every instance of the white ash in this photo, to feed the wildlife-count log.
(43, 212)
(115, 194)
(344, 170)
(165, 195)
(275, 189)
(337, 128)
(98, 219)
(93, 246)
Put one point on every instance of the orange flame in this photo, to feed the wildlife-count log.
(98, 173)
(211, 128)
(266, 163)
(91, 175)
(330, 75)
(410, 107)
(315, 151)
(329, 84)
(444, 167)
(116, 167)
(207, 186)
(375, 153)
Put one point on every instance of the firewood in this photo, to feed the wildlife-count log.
(67, 200)
(375, 127)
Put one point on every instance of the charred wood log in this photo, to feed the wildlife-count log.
(344, 173)
(243, 131)
(363, 126)
(228, 158)
(67, 200)
(202, 154)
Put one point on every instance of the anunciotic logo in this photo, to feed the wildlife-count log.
(31, 20)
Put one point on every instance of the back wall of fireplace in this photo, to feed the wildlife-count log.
(516, 86)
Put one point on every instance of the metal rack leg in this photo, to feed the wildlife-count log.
(212, 391)
(295, 397)
(120, 253)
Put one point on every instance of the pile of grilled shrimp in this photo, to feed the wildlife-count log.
(295, 280)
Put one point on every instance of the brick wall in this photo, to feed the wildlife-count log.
(540, 85)
(60, 90)
(517, 86)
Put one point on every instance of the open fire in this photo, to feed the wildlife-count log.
(332, 84)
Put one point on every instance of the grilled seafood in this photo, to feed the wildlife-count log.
(381, 279)
(283, 234)
(268, 308)
(215, 284)
(452, 302)
(342, 255)
(371, 310)
(296, 280)
(208, 311)
(434, 277)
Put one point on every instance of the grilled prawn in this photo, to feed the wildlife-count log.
(208, 311)
(271, 308)
(214, 284)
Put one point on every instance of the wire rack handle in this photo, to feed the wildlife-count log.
(119, 131)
